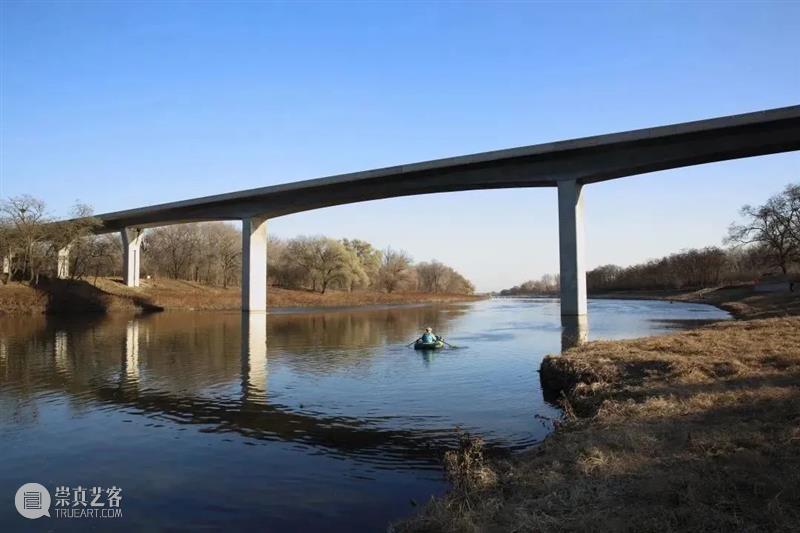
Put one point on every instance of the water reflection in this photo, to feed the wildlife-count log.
(254, 356)
(61, 350)
(427, 357)
(130, 366)
(181, 376)
(319, 421)
(574, 331)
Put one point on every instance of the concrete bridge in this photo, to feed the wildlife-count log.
(568, 165)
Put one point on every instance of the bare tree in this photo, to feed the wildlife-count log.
(432, 276)
(98, 256)
(171, 249)
(229, 252)
(283, 266)
(772, 225)
(208, 253)
(394, 270)
(792, 194)
(458, 284)
(25, 218)
(219, 253)
(77, 234)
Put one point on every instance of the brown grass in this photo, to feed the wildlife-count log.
(18, 298)
(109, 295)
(694, 431)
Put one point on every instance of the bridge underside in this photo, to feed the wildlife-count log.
(568, 165)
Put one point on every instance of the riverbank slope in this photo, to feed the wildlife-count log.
(110, 295)
(693, 431)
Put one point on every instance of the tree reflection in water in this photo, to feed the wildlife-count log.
(181, 365)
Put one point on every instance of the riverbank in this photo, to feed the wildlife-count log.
(693, 431)
(107, 295)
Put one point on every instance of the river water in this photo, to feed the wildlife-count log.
(317, 421)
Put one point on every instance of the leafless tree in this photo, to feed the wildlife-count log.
(77, 235)
(432, 276)
(171, 249)
(208, 253)
(394, 270)
(25, 219)
(773, 225)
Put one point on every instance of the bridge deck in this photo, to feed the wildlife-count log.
(587, 160)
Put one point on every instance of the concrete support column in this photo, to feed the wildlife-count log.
(571, 241)
(131, 244)
(574, 331)
(254, 264)
(62, 267)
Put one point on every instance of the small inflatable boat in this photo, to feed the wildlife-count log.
(419, 345)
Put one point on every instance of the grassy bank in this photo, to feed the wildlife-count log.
(694, 431)
(110, 295)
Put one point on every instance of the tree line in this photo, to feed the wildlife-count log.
(30, 240)
(765, 241)
(208, 253)
(211, 253)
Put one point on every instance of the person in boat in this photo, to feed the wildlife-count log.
(428, 337)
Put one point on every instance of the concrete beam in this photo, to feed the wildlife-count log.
(571, 240)
(254, 264)
(62, 267)
(131, 255)
(587, 160)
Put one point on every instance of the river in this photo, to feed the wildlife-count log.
(320, 421)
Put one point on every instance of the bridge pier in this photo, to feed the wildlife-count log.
(574, 331)
(571, 240)
(62, 266)
(254, 264)
(131, 247)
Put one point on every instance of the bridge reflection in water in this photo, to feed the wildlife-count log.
(254, 356)
(318, 420)
(185, 374)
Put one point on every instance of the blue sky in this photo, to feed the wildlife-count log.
(125, 104)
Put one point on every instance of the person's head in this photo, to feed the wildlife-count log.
(428, 330)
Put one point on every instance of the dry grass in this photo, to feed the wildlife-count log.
(695, 431)
(109, 295)
(18, 298)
